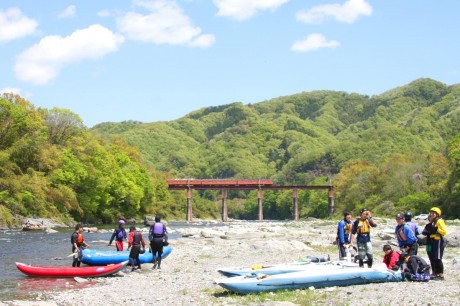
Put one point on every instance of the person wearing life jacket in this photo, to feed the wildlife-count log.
(412, 225)
(78, 244)
(407, 241)
(343, 233)
(435, 231)
(135, 243)
(362, 231)
(119, 234)
(390, 257)
(416, 268)
(157, 234)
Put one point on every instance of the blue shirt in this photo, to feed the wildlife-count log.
(405, 235)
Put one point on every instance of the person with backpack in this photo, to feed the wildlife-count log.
(416, 268)
(435, 231)
(136, 243)
(362, 230)
(119, 234)
(157, 236)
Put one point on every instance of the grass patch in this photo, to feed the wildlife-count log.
(298, 297)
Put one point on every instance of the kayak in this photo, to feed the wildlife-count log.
(328, 276)
(100, 258)
(61, 271)
(274, 269)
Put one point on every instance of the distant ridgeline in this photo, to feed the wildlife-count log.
(392, 152)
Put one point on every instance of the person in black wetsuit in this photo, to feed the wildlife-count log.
(119, 234)
(156, 235)
(135, 241)
(78, 244)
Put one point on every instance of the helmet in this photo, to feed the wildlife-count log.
(436, 210)
(157, 218)
(121, 222)
(363, 210)
(408, 216)
(399, 216)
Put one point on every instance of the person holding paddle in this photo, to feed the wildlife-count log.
(78, 244)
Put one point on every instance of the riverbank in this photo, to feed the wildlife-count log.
(187, 275)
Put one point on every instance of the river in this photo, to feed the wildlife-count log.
(41, 248)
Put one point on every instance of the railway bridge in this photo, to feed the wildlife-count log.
(234, 184)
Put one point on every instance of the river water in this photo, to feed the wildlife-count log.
(40, 248)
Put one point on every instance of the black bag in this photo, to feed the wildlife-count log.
(141, 249)
(165, 240)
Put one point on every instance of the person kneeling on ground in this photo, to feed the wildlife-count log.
(417, 269)
(135, 241)
(391, 258)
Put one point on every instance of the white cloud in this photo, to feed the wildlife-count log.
(42, 62)
(69, 12)
(13, 90)
(166, 24)
(313, 42)
(347, 12)
(103, 13)
(245, 9)
(13, 24)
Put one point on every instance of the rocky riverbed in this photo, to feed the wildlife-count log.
(187, 275)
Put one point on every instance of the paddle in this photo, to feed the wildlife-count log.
(73, 254)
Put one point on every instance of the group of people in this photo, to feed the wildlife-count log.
(406, 232)
(136, 242)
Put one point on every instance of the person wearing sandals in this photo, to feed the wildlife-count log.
(435, 231)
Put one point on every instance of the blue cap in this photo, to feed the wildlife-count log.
(399, 216)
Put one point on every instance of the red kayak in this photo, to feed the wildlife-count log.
(61, 271)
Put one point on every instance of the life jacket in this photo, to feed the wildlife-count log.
(157, 231)
(137, 238)
(347, 228)
(120, 234)
(363, 227)
(400, 235)
(80, 239)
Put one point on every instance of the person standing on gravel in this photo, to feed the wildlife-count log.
(343, 233)
(78, 244)
(362, 231)
(119, 234)
(157, 235)
(135, 243)
(435, 231)
(407, 241)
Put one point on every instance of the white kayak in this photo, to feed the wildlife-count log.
(296, 266)
(319, 277)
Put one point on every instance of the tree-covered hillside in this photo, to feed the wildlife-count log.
(392, 152)
(388, 152)
(52, 166)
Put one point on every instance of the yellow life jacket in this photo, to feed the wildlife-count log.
(347, 228)
(363, 227)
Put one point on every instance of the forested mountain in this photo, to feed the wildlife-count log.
(381, 151)
(392, 152)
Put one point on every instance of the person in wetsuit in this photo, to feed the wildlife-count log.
(343, 233)
(119, 234)
(156, 235)
(78, 244)
(135, 241)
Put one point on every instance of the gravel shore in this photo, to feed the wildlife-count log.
(188, 273)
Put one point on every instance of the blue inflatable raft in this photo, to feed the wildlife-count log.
(101, 258)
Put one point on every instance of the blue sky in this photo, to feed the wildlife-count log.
(158, 60)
